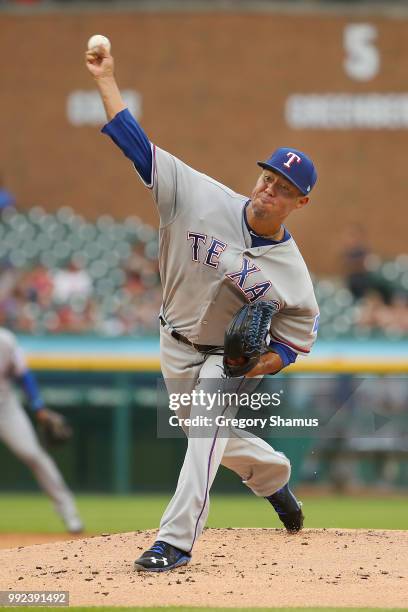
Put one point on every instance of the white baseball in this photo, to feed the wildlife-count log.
(98, 40)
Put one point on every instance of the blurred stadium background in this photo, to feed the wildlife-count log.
(220, 85)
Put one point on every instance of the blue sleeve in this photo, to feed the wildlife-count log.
(127, 134)
(6, 198)
(285, 353)
(28, 383)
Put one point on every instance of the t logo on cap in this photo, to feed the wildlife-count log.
(294, 165)
(292, 157)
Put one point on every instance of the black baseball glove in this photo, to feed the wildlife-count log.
(245, 338)
(54, 428)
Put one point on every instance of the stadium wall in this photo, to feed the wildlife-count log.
(219, 91)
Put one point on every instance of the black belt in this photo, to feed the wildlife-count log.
(202, 348)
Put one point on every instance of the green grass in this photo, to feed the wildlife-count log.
(102, 513)
(33, 513)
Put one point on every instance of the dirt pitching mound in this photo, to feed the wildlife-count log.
(13, 540)
(230, 567)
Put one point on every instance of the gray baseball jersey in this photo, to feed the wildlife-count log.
(205, 248)
(17, 432)
(209, 269)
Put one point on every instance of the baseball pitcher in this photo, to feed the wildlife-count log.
(17, 432)
(220, 251)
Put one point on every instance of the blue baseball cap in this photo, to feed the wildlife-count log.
(295, 165)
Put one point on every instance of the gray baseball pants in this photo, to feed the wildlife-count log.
(17, 432)
(259, 466)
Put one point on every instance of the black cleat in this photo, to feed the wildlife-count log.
(288, 509)
(161, 557)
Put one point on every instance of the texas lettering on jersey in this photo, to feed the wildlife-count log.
(239, 277)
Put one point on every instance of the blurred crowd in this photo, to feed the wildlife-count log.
(380, 291)
(59, 273)
(42, 300)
